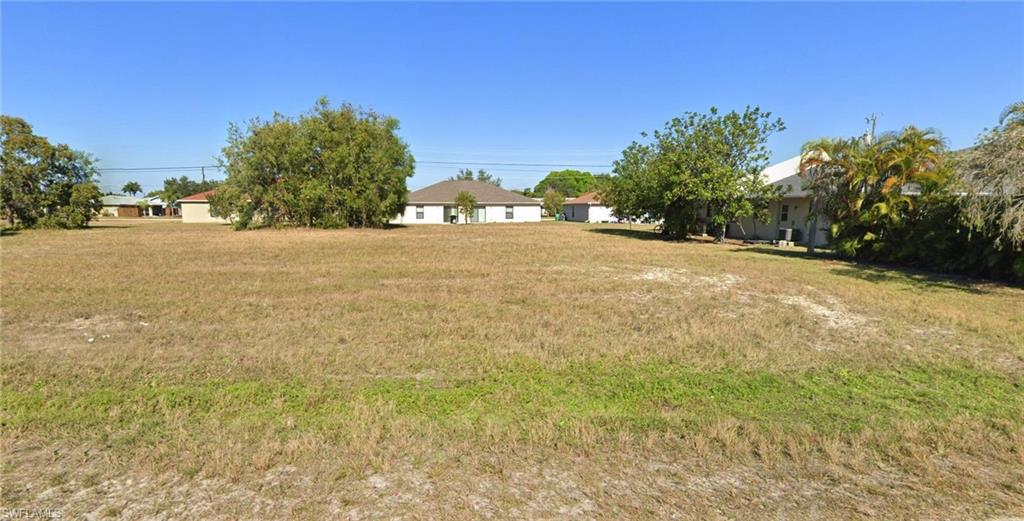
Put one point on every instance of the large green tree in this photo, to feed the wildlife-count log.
(42, 183)
(569, 183)
(177, 187)
(328, 168)
(698, 164)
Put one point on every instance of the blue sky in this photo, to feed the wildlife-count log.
(156, 84)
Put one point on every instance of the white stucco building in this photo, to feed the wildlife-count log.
(789, 213)
(588, 208)
(435, 204)
(196, 209)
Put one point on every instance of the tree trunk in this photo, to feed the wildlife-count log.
(812, 233)
(720, 233)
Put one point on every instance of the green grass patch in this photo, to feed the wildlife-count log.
(621, 397)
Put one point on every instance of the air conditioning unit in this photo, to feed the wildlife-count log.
(785, 234)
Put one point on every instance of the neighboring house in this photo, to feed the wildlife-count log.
(540, 201)
(121, 206)
(435, 204)
(789, 213)
(129, 206)
(195, 208)
(158, 208)
(588, 208)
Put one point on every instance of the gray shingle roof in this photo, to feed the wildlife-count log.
(121, 200)
(485, 193)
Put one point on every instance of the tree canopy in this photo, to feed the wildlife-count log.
(897, 200)
(328, 168)
(465, 201)
(553, 201)
(861, 186)
(177, 187)
(569, 183)
(466, 174)
(698, 164)
(42, 183)
(991, 174)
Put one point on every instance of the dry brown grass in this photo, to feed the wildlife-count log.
(554, 370)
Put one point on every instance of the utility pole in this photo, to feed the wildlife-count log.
(869, 135)
(202, 170)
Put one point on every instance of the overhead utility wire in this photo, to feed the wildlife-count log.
(492, 163)
(156, 168)
(453, 163)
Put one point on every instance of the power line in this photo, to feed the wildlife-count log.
(496, 163)
(449, 163)
(156, 168)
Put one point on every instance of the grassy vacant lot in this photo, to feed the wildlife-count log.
(552, 370)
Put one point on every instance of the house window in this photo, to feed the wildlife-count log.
(419, 212)
(479, 215)
(508, 212)
(784, 214)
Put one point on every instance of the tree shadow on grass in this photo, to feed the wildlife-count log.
(645, 235)
(921, 278)
(888, 273)
(101, 227)
(9, 232)
(792, 253)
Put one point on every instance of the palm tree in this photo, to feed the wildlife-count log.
(132, 188)
(860, 186)
(913, 156)
(830, 169)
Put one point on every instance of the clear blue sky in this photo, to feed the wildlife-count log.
(156, 84)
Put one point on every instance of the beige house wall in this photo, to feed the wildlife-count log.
(199, 212)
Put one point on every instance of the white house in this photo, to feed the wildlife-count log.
(435, 204)
(588, 208)
(196, 209)
(158, 208)
(789, 213)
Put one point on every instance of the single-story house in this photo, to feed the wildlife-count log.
(121, 206)
(195, 208)
(588, 208)
(435, 204)
(158, 208)
(132, 206)
(788, 215)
